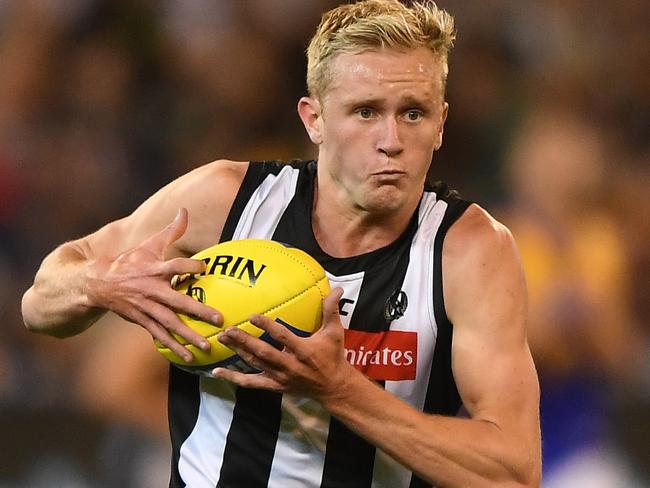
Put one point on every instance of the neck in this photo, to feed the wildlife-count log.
(342, 230)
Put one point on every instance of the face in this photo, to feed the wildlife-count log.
(377, 126)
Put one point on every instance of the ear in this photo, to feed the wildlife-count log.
(309, 110)
(441, 128)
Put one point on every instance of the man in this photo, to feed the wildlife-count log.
(371, 398)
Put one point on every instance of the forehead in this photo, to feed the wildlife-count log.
(386, 71)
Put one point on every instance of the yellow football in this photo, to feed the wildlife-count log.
(248, 277)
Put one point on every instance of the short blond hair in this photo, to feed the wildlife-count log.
(376, 24)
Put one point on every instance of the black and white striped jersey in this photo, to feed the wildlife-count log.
(397, 333)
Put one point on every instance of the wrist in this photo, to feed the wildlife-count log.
(341, 387)
(93, 286)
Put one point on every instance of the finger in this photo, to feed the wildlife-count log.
(181, 266)
(159, 241)
(331, 307)
(181, 303)
(170, 321)
(260, 381)
(158, 332)
(253, 350)
(277, 331)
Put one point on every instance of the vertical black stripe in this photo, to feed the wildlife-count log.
(349, 459)
(183, 411)
(250, 445)
(442, 396)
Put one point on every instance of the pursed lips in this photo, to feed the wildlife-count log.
(389, 172)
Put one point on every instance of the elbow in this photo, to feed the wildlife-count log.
(528, 473)
(534, 477)
(532, 466)
(36, 321)
(30, 320)
(59, 332)
(517, 468)
(528, 480)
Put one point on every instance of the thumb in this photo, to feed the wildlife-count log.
(159, 241)
(331, 306)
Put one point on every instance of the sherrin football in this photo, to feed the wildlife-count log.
(248, 277)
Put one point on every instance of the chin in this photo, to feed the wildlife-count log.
(384, 200)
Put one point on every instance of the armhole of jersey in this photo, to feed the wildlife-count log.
(455, 210)
(248, 185)
(442, 396)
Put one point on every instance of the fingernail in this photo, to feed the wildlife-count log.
(205, 345)
(188, 358)
(216, 319)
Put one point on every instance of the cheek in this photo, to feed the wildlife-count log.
(423, 140)
(347, 137)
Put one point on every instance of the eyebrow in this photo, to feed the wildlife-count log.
(408, 100)
(372, 102)
(418, 102)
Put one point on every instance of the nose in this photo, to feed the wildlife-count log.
(390, 142)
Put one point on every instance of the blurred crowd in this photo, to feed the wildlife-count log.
(104, 101)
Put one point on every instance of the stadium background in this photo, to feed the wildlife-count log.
(102, 102)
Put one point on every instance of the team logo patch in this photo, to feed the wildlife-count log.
(396, 305)
(390, 355)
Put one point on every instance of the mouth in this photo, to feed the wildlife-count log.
(389, 172)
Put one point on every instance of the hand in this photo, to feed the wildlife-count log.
(137, 286)
(312, 366)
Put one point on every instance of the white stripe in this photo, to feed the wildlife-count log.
(351, 285)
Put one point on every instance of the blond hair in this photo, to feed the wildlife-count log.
(376, 24)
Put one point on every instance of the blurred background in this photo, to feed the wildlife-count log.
(104, 101)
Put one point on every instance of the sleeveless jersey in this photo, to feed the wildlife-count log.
(397, 333)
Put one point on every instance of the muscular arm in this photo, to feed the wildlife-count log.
(486, 301)
(126, 265)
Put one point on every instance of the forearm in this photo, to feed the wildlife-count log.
(57, 304)
(446, 451)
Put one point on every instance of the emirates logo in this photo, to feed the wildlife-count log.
(390, 355)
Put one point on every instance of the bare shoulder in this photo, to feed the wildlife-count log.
(222, 174)
(481, 265)
(207, 193)
(477, 234)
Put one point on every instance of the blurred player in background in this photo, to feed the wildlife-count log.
(372, 398)
(581, 333)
